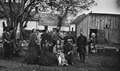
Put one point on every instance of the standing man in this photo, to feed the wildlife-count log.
(81, 44)
(56, 36)
(6, 43)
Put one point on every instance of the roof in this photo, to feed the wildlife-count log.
(104, 14)
(78, 19)
(81, 17)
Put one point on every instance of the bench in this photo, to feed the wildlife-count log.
(106, 47)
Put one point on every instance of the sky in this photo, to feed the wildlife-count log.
(106, 6)
(103, 6)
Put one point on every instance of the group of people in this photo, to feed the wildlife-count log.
(49, 50)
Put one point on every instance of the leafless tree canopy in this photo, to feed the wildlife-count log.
(67, 7)
(19, 11)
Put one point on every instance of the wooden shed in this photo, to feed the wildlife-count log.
(106, 27)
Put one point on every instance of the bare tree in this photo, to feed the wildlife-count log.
(17, 11)
(68, 7)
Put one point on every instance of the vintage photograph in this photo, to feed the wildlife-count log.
(59, 35)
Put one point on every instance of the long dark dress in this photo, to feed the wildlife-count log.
(48, 58)
(31, 56)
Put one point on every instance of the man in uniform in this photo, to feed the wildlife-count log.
(81, 44)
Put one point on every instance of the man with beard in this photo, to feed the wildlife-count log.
(81, 44)
(69, 36)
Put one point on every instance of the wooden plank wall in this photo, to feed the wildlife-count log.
(100, 22)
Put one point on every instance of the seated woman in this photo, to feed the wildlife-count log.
(47, 58)
(58, 50)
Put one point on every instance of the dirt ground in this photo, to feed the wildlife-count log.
(101, 61)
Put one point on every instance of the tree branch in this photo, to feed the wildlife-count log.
(25, 9)
(11, 12)
(26, 16)
(5, 10)
(3, 6)
(23, 5)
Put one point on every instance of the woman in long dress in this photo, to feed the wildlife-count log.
(58, 50)
(47, 58)
(31, 56)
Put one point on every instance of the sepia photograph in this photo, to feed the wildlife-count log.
(59, 35)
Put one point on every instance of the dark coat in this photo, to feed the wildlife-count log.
(67, 48)
(69, 57)
(81, 43)
(6, 44)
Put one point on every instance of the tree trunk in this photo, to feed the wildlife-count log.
(21, 35)
(60, 22)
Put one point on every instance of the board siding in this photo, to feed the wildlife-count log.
(99, 22)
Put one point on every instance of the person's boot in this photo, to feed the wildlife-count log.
(84, 61)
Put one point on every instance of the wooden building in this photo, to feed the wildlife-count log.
(106, 27)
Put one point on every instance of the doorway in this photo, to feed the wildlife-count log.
(93, 31)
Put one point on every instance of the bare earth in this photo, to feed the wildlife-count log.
(101, 61)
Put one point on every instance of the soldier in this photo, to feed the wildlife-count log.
(81, 44)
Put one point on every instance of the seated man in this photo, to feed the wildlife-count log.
(68, 50)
